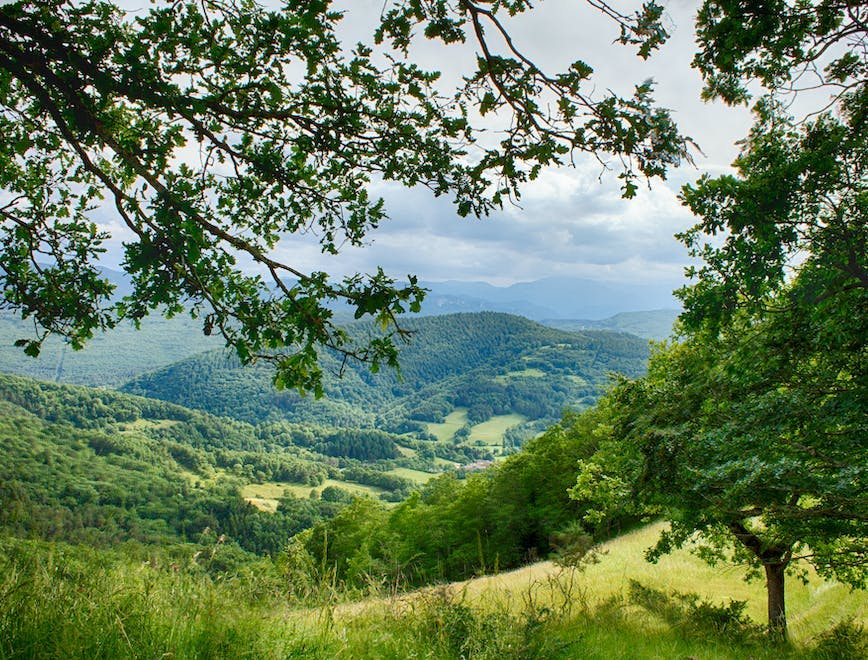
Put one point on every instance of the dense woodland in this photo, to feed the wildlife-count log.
(746, 438)
(99, 467)
(491, 364)
(105, 467)
(111, 359)
(95, 466)
(511, 514)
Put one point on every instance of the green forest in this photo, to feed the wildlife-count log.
(292, 461)
(490, 364)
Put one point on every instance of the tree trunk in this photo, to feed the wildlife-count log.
(777, 607)
(774, 559)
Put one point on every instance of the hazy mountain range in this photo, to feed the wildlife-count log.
(563, 303)
(549, 298)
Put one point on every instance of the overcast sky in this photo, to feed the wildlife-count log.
(570, 222)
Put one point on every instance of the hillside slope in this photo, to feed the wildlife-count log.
(91, 465)
(487, 363)
(109, 359)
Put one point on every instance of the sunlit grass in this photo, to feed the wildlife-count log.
(266, 495)
(446, 429)
(491, 432)
(486, 434)
(63, 601)
(142, 424)
(418, 477)
(811, 608)
(406, 452)
(524, 373)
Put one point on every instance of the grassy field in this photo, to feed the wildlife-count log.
(143, 424)
(446, 429)
(60, 601)
(490, 433)
(593, 612)
(524, 373)
(265, 496)
(416, 476)
(811, 608)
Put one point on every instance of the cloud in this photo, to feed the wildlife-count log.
(571, 221)
(568, 223)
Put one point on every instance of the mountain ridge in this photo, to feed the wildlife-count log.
(488, 363)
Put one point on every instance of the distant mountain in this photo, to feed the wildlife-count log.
(121, 280)
(487, 363)
(109, 359)
(549, 298)
(123, 353)
(655, 324)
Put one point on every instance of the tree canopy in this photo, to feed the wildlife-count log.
(216, 128)
(750, 434)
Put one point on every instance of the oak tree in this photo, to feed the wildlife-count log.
(750, 434)
(216, 128)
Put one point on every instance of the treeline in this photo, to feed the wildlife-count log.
(87, 408)
(490, 363)
(101, 467)
(58, 482)
(517, 511)
(108, 359)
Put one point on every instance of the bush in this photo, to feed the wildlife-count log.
(696, 617)
(846, 640)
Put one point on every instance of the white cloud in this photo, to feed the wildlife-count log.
(570, 221)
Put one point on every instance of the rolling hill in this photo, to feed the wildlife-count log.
(486, 364)
(656, 324)
(109, 359)
(97, 466)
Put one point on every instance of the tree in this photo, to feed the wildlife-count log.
(216, 128)
(750, 435)
(754, 448)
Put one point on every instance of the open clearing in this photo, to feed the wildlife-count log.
(490, 433)
(416, 476)
(446, 429)
(486, 434)
(265, 496)
(811, 608)
(524, 373)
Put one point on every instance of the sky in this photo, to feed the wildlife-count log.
(571, 222)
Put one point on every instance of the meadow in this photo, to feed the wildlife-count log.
(59, 600)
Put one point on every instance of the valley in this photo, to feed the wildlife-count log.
(349, 507)
(472, 389)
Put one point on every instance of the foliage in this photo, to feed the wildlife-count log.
(798, 205)
(694, 616)
(754, 441)
(491, 363)
(58, 600)
(786, 46)
(500, 518)
(103, 468)
(847, 639)
(750, 435)
(217, 129)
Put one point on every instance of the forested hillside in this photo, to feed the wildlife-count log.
(487, 364)
(96, 466)
(108, 359)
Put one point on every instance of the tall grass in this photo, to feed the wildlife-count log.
(59, 601)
